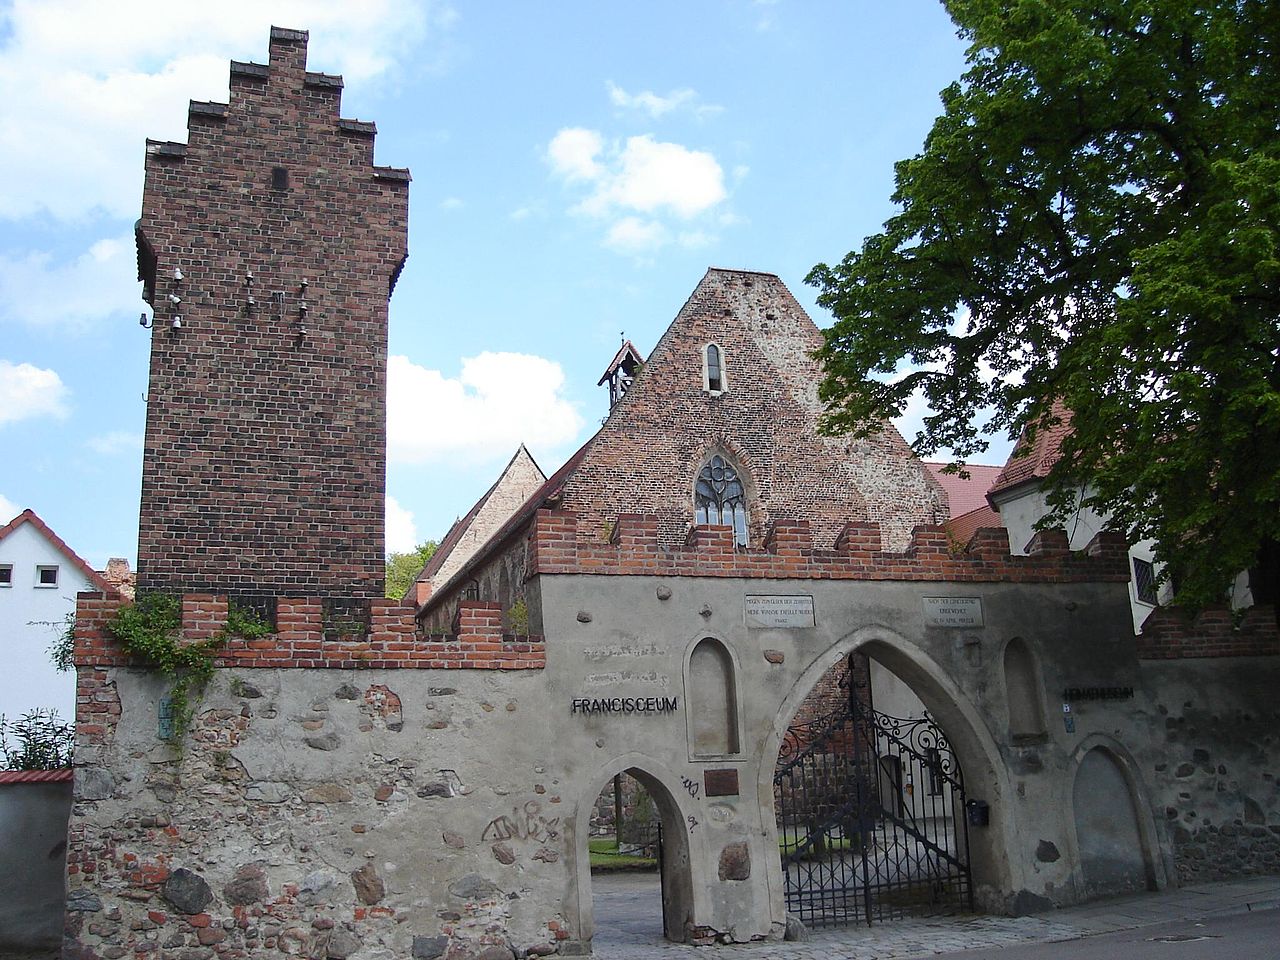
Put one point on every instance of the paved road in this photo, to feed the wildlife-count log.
(629, 927)
(1241, 936)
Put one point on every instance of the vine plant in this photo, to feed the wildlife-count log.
(150, 631)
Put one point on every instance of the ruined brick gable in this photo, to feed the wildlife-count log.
(265, 445)
(646, 457)
(519, 481)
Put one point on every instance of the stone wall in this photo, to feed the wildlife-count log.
(276, 242)
(1215, 763)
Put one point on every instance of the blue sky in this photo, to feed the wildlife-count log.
(577, 166)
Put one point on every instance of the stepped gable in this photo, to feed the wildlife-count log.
(268, 246)
(646, 457)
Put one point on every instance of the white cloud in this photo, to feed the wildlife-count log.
(651, 176)
(497, 402)
(98, 78)
(27, 391)
(573, 153)
(637, 183)
(451, 203)
(36, 291)
(633, 235)
(657, 106)
(8, 510)
(117, 441)
(402, 533)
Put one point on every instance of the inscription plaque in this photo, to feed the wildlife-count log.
(952, 611)
(785, 612)
(721, 783)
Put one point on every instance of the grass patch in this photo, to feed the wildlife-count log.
(606, 858)
(830, 845)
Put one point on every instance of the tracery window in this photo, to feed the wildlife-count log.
(719, 497)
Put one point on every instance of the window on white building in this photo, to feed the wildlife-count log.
(1144, 581)
(47, 575)
(6, 574)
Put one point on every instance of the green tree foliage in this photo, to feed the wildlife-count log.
(403, 568)
(41, 741)
(1095, 218)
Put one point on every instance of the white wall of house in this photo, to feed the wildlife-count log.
(1022, 507)
(31, 618)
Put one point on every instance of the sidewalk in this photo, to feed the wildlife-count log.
(629, 924)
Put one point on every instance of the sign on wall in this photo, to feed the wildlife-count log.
(952, 611)
(779, 612)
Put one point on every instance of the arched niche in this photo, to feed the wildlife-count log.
(1112, 844)
(712, 698)
(1022, 692)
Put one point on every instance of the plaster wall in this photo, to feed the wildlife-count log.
(403, 810)
(31, 618)
(33, 834)
(1023, 507)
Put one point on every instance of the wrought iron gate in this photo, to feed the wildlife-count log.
(871, 819)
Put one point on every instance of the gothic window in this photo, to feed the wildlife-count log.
(713, 369)
(719, 497)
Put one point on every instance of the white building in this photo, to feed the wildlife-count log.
(39, 579)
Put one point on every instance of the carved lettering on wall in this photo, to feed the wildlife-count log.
(952, 611)
(774, 612)
(624, 650)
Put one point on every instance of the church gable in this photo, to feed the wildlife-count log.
(733, 381)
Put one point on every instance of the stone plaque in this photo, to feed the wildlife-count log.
(779, 612)
(952, 611)
(721, 783)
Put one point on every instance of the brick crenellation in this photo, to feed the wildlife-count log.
(303, 640)
(1171, 633)
(636, 549)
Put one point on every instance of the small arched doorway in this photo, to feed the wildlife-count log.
(870, 804)
(1114, 857)
(672, 901)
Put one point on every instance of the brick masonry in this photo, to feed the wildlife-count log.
(1172, 634)
(265, 445)
(646, 457)
(476, 642)
(788, 553)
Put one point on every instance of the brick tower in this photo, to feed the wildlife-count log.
(268, 246)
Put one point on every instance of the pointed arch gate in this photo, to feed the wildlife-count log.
(871, 818)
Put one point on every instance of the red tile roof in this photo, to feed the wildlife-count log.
(1032, 460)
(36, 776)
(29, 516)
(963, 527)
(963, 494)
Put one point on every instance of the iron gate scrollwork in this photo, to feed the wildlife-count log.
(871, 820)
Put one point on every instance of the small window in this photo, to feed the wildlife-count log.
(47, 576)
(6, 574)
(1144, 581)
(713, 369)
(279, 178)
